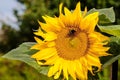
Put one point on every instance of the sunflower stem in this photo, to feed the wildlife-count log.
(115, 71)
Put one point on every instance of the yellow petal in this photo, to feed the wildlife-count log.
(58, 73)
(98, 53)
(40, 63)
(93, 61)
(60, 8)
(37, 46)
(71, 69)
(101, 36)
(67, 12)
(90, 69)
(103, 54)
(89, 22)
(80, 71)
(76, 17)
(44, 53)
(45, 27)
(53, 22)
(39, 41)
(65, 70)
(84, 13)
(77, 11)
(92, 25)
(51, 60)
(54, 68)
(49, 36)
(51, 44)
(39, 33)
(99, 49)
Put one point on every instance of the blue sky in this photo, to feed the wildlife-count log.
(6, 12)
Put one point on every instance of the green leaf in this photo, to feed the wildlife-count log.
(106, 15)
(115, 39)
(112, 29)
(109, 62)
(114, 45)
(114, 50)
(23, 53)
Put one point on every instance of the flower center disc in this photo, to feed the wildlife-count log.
(71, 43)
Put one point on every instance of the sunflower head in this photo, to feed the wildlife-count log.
(71, 45)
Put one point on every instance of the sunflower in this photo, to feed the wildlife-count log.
(70, 44)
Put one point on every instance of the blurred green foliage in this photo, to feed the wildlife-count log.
(16, 70)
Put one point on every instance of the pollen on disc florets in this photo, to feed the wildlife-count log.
(72, 43)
